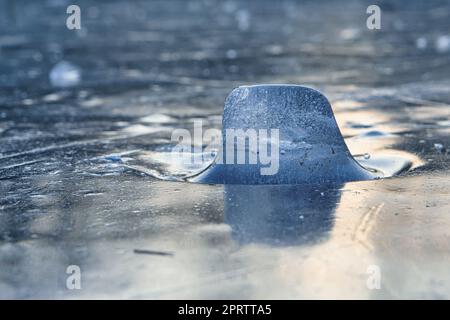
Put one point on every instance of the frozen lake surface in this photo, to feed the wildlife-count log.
(85, 124)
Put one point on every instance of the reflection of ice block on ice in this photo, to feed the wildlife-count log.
(297, 140)
(280, 214)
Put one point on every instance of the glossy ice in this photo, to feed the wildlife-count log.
(293, 138)
(77, 164)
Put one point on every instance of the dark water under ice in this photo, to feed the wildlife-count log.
(77, 162)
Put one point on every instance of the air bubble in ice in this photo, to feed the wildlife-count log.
(421, 43)
(243, 20)
(65, 74)
(443, 44)
(231, 54)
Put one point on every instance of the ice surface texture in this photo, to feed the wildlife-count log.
(311, 147)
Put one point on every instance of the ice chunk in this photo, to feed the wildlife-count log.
(300, 120)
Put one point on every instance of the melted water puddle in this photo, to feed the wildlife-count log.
(163, 165)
